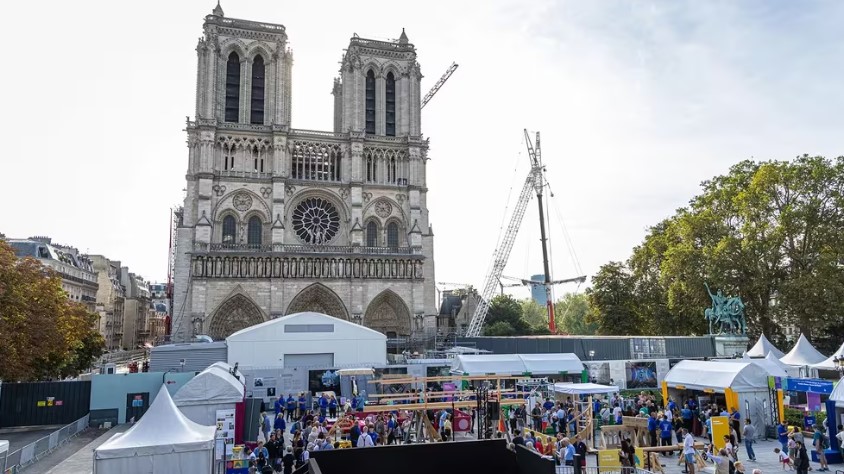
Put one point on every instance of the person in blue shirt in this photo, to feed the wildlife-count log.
(332, 407)
(291, 407)
(279, 423)
(665, 430)
(279, 405)
(687, 415)
(323, 405)
(596, 407)
(782, 435)
(567, 452)
(735, 420)
(303, 406)
(692, 404)
(653, 425)
(548, 405)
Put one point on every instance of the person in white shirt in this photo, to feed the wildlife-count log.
(689, 450)
(365, 440)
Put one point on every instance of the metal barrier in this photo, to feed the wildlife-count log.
(600, 470)
(36, 450)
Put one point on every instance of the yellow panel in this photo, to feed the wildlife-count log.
(608, 458)
(720, 428)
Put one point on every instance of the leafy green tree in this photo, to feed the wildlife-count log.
(42, 333)
(770, 232)
(499, 328)
(508, 310)
(612, 301)
(535, 315)
(572, 314)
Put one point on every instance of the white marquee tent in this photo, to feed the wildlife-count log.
(163, 441)
(583, 388)
(215, 388)
(763, 347)
(802, 354)
(829, 364)
(747, 378)
(516, 364)
(307, 339)
(837, 394)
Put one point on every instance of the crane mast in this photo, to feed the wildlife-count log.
(502, 253)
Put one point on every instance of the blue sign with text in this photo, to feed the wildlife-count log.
(807, 385)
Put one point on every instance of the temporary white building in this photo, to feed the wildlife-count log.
(583, 388)
(829, 363)
(763, 347)
(307, 340)
(516, 364)
(163, 441)
(215, 388)
(748, 379)
(837, 394)
(803, 354)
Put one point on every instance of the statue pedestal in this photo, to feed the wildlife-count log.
(728, 345)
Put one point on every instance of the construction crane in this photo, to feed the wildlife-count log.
(534, 183)
(438, 85)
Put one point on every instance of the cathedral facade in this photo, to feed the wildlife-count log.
(278, 220)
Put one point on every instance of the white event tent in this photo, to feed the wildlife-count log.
(516, 364)
(583, 388)
(763, 347)
(770, 364)
(307, 339)
(837, 394)
(829, 364)
(747, 378)
(215, 388)
(802, 354)
(163, 441)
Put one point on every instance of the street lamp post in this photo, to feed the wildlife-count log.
(839, 364)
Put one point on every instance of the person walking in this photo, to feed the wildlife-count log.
(818, 443)
(782, 435)
(749, 434)
(688, 451)
(801, 459)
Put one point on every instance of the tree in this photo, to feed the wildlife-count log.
(769, 232)
(499, 328)
(535, 315)
(506, 309)
(612, 302)
(42, 333)
(572, 313)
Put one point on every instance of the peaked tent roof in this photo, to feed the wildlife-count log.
(741, 376)
(763, 347)
(803, 353)
(516, 364)
(829, 364)
(162, 430)
(212, 385)
(837, 394)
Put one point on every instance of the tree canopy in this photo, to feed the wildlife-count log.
(42, 333)
(770, 232)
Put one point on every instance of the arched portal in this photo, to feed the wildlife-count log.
(388, 314)
(319, 299)
(236, 313)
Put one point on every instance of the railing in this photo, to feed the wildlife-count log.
(254, 127)
(34, 451)
(243, 174)
(320, 249)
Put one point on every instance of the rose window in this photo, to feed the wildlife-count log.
(316, 221)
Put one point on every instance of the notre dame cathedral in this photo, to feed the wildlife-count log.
(278, 220)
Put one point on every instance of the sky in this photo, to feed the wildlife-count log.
(637, 102)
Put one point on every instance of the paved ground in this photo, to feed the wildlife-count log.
(63, 459)
(20, 437)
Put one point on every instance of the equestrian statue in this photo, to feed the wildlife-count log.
(726, 316)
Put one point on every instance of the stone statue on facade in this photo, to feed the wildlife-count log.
(726, 316)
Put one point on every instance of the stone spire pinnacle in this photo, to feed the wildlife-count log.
(403, 37)
(218, 10)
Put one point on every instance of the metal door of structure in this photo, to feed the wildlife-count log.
(136, 406)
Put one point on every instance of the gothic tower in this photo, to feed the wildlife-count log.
(278, 220)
